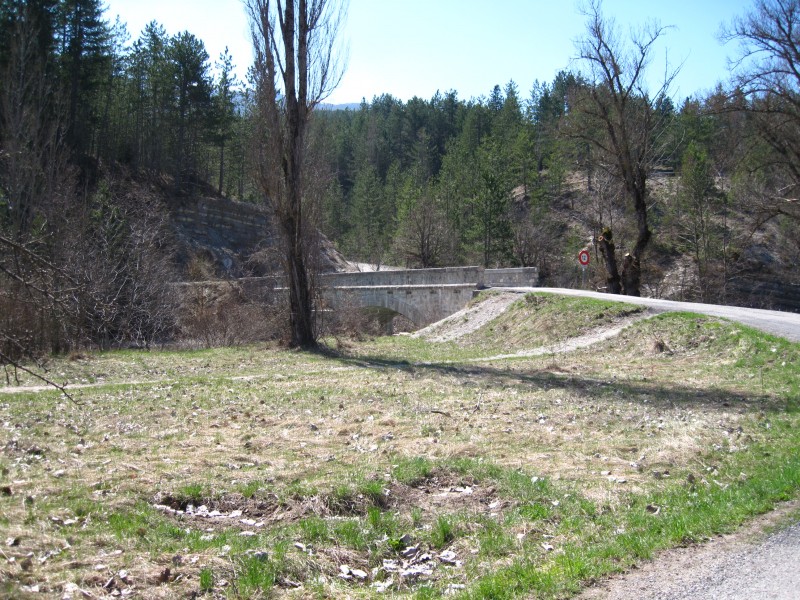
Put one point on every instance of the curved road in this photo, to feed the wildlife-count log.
(782, 324)
(737, 568)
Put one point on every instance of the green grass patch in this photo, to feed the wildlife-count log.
(411, 471)
(206, 580)
(443, 532)
(538, 475)
(744, 485)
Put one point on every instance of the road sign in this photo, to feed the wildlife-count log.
(583, 257)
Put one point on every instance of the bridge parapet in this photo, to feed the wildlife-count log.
(519, 277)
(443, 276)
(477, 276)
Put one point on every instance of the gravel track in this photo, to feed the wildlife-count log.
(468, 319)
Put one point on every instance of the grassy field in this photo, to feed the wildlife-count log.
(396, 467)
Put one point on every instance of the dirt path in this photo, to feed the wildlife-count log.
(468, 319)
(583, 341)
(82, 386)
(70, 387)
(754, 562)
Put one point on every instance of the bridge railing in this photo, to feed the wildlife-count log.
(518, 277)
(444, 276)
(477, 276)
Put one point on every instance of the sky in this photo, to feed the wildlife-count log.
(410, 48)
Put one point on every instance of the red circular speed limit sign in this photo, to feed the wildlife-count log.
(583, 257)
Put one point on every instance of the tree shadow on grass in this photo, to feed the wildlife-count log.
(658, 394)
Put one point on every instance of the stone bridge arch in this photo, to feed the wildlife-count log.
(400, 301)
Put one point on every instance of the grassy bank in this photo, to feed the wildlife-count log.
(395, 466)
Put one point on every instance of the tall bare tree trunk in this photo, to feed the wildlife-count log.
(294, 44)
(632, 262)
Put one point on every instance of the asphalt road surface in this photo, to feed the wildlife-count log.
(782, 324)
(768, 570)
(729, 568)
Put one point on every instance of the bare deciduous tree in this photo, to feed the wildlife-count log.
(72, 273)
(626, 121)
(767, 73)
(424, 236)
(35, 183)
(296, 67)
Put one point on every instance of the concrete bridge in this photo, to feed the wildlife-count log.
(424, 296)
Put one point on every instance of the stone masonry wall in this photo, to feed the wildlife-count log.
(223, 223)
(445, 276)
(519, 277)
(232, 231)
(475, 276)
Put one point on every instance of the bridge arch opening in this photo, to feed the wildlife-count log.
(390, 311)
(385, 321)
(392, 302)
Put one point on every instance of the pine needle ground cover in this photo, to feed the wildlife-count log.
(396, 466)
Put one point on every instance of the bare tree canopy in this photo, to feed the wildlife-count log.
(769, 58)
(624, 125)
(296, 67)
(767, 73)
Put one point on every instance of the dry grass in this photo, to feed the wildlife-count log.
(286, 437)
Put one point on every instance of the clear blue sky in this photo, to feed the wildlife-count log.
(415, 47)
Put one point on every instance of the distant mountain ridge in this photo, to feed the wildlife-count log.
(347, 106)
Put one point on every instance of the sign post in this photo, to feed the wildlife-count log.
(583, 259)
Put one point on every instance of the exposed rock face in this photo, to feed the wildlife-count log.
(762, 288)
(759, 279)
(236, 238)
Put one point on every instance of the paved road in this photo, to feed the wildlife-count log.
(724, 569)
(783, 324)
(768, 570)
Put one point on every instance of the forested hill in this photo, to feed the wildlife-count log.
(517, 177)
(505, 180)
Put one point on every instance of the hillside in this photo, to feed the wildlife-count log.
(236, 239)
(213, 236)
(753, 265)
(230, 237)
